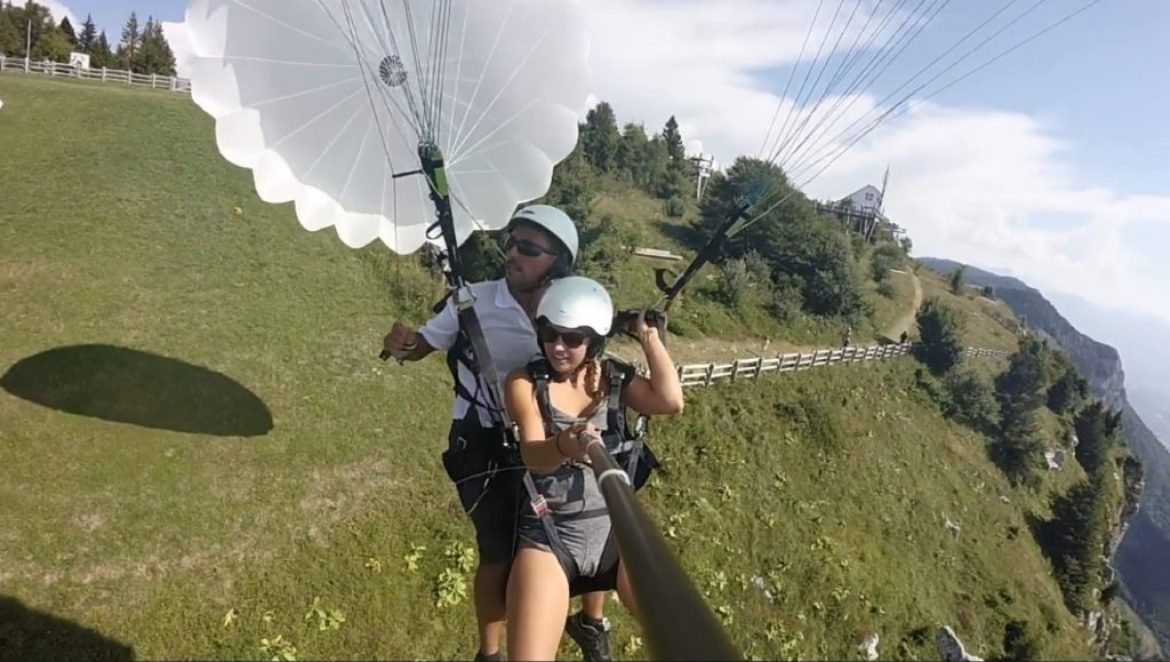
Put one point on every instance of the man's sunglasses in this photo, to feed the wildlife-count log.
(572, 339)
(527, 247)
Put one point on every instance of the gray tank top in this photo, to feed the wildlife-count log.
(574, 500)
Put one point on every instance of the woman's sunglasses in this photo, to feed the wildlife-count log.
(571, 339)
(527, 247)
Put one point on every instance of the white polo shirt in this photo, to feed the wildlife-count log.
(508, 332)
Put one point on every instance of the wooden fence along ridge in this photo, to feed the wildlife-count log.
(705, 374)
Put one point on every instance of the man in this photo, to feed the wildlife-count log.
(542, 245)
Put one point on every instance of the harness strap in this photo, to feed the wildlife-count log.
(618, 374)
(539, 372)
(480, 359)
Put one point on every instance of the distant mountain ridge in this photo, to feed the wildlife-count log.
(1143, 558)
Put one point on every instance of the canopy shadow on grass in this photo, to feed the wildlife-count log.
(139, 388)
(28, 634)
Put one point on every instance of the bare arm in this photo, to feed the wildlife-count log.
(541, 454)
(661, 395)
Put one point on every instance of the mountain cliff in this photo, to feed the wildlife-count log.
(1141, 557)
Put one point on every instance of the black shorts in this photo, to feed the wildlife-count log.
(489, 485)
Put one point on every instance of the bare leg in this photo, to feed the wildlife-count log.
(490, 586)
(538, 602)
(592, 605)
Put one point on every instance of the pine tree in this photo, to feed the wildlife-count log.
(940, 329)
(674, 141)
(88, 35)
(67, 31)
(1074, 537)
(631, 155)
(100, 54)
(131, 40)
(154, 53)
(1025, 383)
(957, 280)
(1019, 452)
(600, 137)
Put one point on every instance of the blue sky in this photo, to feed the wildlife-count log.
(111, 15)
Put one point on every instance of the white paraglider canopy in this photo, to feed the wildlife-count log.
(327, 100)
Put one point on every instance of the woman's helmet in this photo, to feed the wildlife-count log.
(577, 302)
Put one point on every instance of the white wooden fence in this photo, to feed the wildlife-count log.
(705, 374)
(56, 69)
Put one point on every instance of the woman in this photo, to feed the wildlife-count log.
(572, 546)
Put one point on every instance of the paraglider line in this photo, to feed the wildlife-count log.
(377, 118)
(512, 77)
(926, 68)
(392, 46)
(884, 116)
(847, 65)
(458, 72)
(427, 131)
(264, 60)
(316, 117)
(288, 26)
(504, 124)
(779, 149)
(906, 106)
(439, 42)
(386, 47)
(872, 73)
(357, 46)
(353, 166)
(832, 81)
(786, 135)
(878, 64)
(302, 93)
(482, 73)
(853, 53)
(795, 65)
(333, 141)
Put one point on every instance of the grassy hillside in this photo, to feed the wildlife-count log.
(989, 323)
(196, 441)
(1140, 560)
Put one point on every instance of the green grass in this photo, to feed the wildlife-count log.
(132, 233)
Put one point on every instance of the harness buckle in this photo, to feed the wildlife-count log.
(539, 506)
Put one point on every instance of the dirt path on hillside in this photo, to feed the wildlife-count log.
(906, 322)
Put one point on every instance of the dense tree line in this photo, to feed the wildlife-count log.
(143, 48)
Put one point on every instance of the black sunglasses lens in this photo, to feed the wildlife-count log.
(571, 339)
(547, 334)
(526, 247)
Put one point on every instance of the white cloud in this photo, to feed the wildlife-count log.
(57, 9)
(969, 183)
(176, 34)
